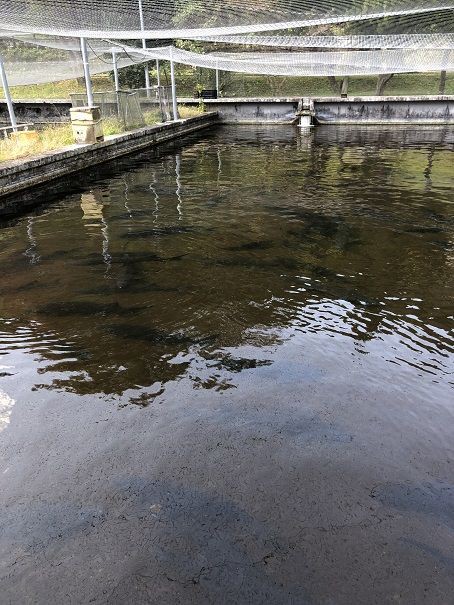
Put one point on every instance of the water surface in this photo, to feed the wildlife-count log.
(230, 363)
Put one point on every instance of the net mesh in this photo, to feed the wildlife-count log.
(271, 38)
(165, 19)
(130, 107)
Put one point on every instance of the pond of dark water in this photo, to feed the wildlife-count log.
(226, 374)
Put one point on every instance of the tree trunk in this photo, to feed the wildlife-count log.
(442, 87)
(344, 86)
(382, 81)
(333, 84)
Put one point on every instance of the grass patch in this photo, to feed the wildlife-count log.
(52, 138)
(112, 125)
(250, 85)
(152, 117)
(49, 139)
(189, 111)
(58, 90)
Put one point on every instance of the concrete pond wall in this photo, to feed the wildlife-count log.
(20, 176)
(328, 110)
(389, 110)
(334, 110)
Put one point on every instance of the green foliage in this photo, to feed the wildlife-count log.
(13, 50)
(132, 76)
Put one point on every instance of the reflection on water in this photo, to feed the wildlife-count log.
(202, 261)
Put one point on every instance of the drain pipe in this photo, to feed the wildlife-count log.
(9, 101)
(83, 48)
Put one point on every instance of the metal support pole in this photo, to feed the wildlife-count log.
(115, 70)
(83, 48)
(158, 73)
(120, 109)
(144, 46)
(174, 87)
(9, 102)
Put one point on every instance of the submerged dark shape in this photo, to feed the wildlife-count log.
(251, 263)
(326, 226)
(62, 253)
(249, 246)
(238, 364)
(157, 232)
(424, 230)
(130, 258)
(144, 399)
(65, 309)
(147, 334)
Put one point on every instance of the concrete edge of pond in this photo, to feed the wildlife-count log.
(20, 175)
(389, 110)
(404, 109)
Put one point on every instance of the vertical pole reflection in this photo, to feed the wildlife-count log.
(31, 253)
(126, 196)
(156, 198)
(93, 206)
(428, 169)
(105, 245)
(219, 166)
(178, 184)
(304, 138)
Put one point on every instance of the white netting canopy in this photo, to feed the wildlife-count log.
(161, 19)
(272, 37)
